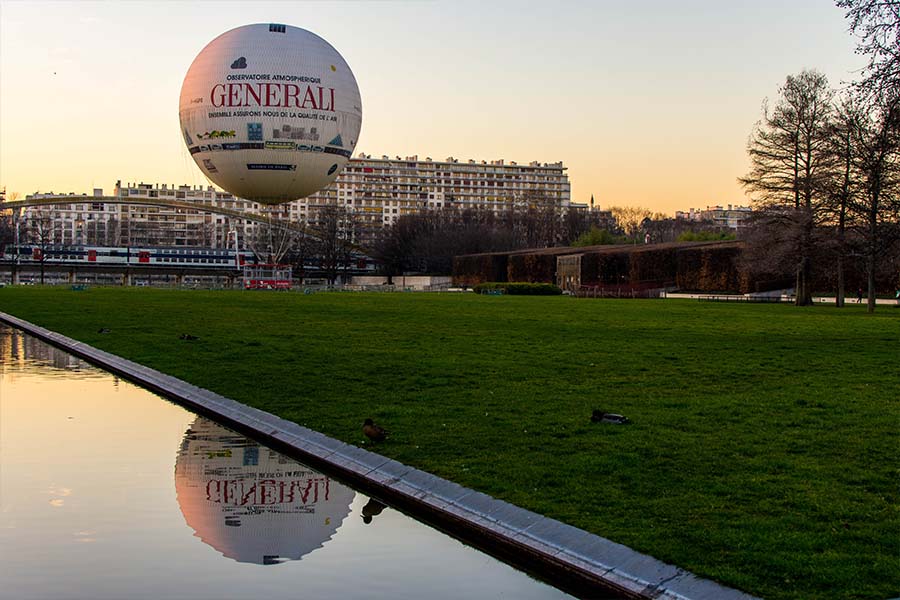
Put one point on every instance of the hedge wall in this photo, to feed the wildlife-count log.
(472, 269)
(607, 268)
(653, 264)
(698, 266)
(532, 268)
(710, 269)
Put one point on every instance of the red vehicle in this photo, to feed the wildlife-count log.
(267, 277)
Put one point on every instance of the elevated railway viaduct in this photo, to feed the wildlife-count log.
(128, 272)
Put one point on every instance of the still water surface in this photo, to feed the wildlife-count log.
(109, 491)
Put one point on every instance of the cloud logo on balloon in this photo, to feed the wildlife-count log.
(240, 63)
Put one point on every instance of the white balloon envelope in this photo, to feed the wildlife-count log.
(270, 112)
(251, 503)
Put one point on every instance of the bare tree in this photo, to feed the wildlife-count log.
(7, 229)
(301, 249)
(790, 165)
(42, 231)
(427, 241)
(663, 228)
(444, 234)
(575, 222)
(839, 186)
(206, 233)
(335, 227)
(769, 256)
(395, 245)
(630, 219)
(8, 221)
(877, 165)
(877, 25)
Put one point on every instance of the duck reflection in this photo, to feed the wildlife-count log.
(372, 508)
(251, 503)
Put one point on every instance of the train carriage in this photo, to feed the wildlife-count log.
(182, 257)
(131, 255)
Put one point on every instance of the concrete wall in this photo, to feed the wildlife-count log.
(415, 282)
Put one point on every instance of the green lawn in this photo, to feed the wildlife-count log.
(764, 446)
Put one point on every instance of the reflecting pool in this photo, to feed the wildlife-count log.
(109, 491)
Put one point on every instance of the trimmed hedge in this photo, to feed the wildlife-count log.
(519, 289)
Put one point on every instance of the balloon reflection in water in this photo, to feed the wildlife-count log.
(251, 503)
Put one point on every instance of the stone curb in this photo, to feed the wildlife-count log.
(582, 563)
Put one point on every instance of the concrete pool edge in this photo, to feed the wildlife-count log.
(575, 560)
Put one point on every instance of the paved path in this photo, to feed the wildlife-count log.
(782, 298)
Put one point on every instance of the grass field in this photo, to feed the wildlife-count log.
(763, 451)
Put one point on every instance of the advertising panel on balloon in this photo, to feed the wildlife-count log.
(270, 112)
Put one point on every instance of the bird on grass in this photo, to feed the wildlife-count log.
(598, 416)
(103, 330)
(187, 336)
(373, 431)
(372, 508)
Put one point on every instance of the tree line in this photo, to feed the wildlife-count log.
(825, 165)
(427, 241)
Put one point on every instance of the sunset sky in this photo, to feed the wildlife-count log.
(647, 103)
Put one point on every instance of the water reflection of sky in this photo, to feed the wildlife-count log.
(108, 491)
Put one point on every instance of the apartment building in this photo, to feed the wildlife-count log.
(89, 220)
(732, 217)
(386, 188)
(375, 191)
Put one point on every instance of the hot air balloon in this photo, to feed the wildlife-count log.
(251, 503)
(270, 112)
